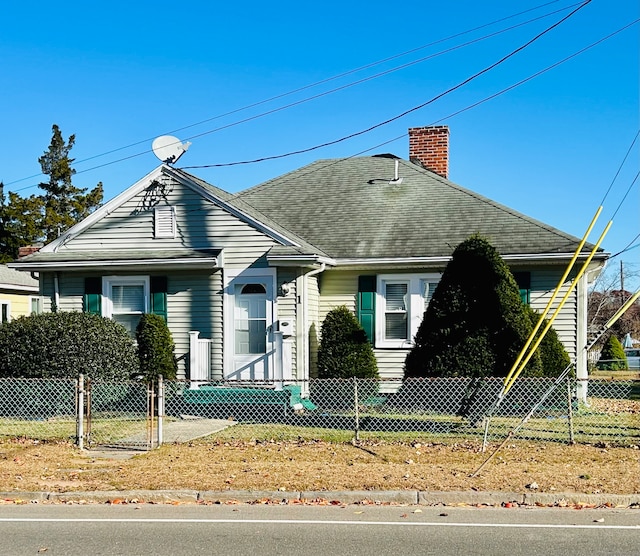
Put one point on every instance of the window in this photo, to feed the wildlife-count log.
(250, 319)
(5, 311)
(35, 305)
(164, 220)
(401, 301)
(125, 300)
(395, 317)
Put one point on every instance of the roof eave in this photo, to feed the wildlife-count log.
(440, 260)
(19, 288)
(206, 263)
(299, 260)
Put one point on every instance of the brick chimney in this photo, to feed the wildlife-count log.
(24, 251)
(430, 147)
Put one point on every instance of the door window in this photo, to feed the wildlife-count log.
(250, 321)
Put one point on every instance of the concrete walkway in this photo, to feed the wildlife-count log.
(173, 432)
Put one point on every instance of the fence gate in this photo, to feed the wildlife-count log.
(117, 415)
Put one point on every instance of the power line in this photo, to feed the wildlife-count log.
(406, 112)
(321, 82)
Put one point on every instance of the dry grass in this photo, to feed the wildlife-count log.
(229, 464)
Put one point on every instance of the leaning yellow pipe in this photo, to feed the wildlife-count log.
(553, 296)
(573, 285)
(622, 310)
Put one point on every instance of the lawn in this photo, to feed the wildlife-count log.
(234, 459)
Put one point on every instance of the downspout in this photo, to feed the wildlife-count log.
(305, 317)
(56, 291)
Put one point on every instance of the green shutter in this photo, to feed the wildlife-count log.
(523, 279)
(159, 296)
(92, 302)
(366, 305)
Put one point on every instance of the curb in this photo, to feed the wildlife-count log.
(399, 497)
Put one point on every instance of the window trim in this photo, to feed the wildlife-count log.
(415, 306)
(109, 281)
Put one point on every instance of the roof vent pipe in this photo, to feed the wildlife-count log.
(396, 180)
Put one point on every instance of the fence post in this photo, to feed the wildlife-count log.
(160, 409)
(570, 409)
(80, 413)
(357, 411)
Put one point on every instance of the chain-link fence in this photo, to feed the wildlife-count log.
(39, 409)
(446, 409)
(120, 414)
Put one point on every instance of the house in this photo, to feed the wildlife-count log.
(18, 294)
(245, 280)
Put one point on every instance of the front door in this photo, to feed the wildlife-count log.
(252, 331)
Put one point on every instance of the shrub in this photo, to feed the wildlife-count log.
(344, 350)
(475, 324)
(64, 345)
(612, 356)
(553, 355)
(156, 349)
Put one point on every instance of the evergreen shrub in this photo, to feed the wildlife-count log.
(553, 355)
(612, 356)
(66, 344)
(156, 349)
(475, 324)
(344, 350)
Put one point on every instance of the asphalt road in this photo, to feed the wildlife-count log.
(310, 530)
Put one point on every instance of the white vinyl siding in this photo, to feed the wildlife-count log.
(199, 224)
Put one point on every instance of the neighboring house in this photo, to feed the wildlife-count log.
(18, 294)
(255, 273)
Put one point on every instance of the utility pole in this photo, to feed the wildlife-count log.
(621, 284)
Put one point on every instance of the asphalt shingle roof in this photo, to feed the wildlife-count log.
(348, 208)
(10, 277)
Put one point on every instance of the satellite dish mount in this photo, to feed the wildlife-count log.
(169, 149)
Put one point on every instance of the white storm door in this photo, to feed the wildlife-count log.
(252, 329)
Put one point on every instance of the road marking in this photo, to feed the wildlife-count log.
(316, 522)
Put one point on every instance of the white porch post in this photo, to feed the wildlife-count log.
(278, 371)
(194, 360)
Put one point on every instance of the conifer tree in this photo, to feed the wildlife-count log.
(475, 324)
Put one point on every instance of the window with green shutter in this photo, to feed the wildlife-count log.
(158, 288)
(92, 302)
(523, 279)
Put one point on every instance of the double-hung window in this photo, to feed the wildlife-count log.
(125, 299)
(5, 311)
(402, 301)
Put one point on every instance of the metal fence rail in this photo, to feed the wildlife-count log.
(127, 414)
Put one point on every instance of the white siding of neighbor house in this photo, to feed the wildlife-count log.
(195, 297)
(339, 287)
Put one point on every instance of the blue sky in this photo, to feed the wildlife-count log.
(118, 74)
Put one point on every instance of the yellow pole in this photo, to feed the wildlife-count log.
(557, 311)
(553, 296)
(622, 310)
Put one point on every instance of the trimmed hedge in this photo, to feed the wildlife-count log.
(66, 344)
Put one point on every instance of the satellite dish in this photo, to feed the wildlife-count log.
(168, 148)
